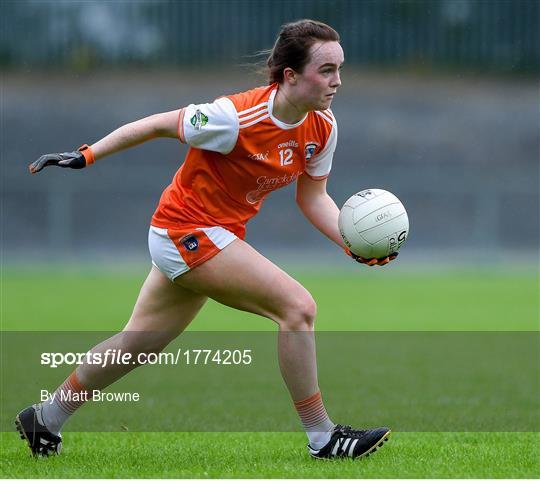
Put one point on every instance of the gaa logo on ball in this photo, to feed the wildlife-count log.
(373, 223)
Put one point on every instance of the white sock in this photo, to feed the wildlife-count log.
(65, 401)
(53, 416)
(315, 420)
(320, 434)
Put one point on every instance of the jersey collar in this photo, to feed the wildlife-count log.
(277, 122)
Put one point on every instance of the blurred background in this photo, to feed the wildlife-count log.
(439, 104)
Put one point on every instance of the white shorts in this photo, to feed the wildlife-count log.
(175, 251)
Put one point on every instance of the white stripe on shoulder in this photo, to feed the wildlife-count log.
(253, 115)
(258, 119)
(329, 119)
(251, 109)
(327, 114)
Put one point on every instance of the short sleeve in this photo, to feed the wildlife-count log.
(319, 166)
(211, 126)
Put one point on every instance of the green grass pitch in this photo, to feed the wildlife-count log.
(92, 299)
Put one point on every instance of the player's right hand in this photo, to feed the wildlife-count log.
(74, 160)
(372, 262)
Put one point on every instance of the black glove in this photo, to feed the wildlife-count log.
(74, 160)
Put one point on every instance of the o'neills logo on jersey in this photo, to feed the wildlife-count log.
(268, 184)
(289, 143)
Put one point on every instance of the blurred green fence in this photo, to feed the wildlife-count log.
(498, 35)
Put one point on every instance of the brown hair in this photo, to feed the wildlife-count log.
(292, 46)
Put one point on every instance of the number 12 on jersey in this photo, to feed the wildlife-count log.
(285, 156)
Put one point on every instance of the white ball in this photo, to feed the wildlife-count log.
(373, 223)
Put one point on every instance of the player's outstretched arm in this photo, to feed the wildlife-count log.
(128, 135)
(318, 207)
(321, 210)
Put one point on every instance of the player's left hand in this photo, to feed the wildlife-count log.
(74, 160)
(372, 262)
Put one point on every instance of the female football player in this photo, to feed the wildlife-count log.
(242, 147)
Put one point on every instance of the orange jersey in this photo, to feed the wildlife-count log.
(239, 153)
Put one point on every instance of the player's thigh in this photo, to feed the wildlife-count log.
(242, 278)
(163, 306)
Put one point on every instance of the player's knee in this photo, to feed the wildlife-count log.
(300, 314)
